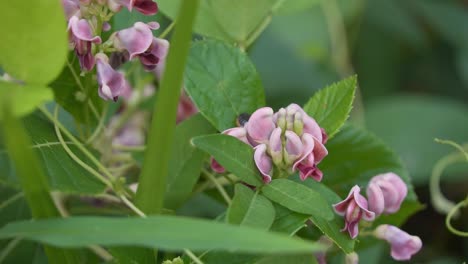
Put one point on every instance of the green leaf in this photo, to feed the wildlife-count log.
(24, 98)
(232, 154)
(298, 198)
(330, 106)
(34, 40)
(77, 93)
(296, 259)
(355, 156)
(287, 221)
(233, 21)
(170, 233)
(63, 173)
(31, 177)
(223, 82)
(186, 161)
(411, 128)
(250, 208)
(332, 227)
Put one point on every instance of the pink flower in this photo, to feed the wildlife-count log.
(403, 245)
(260, 126)
(263, 162)
(237, 132)
(82, 37)
(71, 7)
(186, 108)
(155, 53)
(386, 192)
(353, 208)
(111, 82)
(146, 7)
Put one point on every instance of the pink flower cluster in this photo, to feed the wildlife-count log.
(87, 19)
(288, 140)
(385, 193)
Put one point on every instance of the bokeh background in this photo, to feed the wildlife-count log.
(411, 58)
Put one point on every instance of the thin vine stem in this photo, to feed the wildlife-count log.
(132, 207)
(167, 30)
(9, 248)
(67, 133)
(72, 155)
(11, 200)
(193, 256)
(218, 186)
(100, 126)
(451, 214)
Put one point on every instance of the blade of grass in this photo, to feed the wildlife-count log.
(32, 178)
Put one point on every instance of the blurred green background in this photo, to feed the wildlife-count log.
(411, 58)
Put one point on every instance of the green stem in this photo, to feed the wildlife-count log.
(9, 247)
(100, 126)
(193, 256)
(11, 200)
(167, 30)
(451, 214)
(218, 186)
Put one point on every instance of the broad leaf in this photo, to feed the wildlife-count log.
(331, 228)
(186, 161)
(355, 156)
(330, 106)
(24, 98)
(250, 208)
(222, 82)
(287, 221)
(34, 40)
(171, 233)
(233, 21)
(298, 198)
(232, 154)
(63, 173)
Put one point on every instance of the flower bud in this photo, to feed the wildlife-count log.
(352, 258)
(293, 148)
(111, 83)
(298, 124)
(403, 245)
(386, 192)
(275, 147)
(281, 119)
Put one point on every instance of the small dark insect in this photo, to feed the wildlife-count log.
(242, 119)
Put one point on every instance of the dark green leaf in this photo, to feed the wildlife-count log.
(287, 221)
(331, 228)
(76, 93)
(250, 208)
(171, 233)
(24, 98)
(186, 161)
(330, 106)
(232, 154)
(225, 19)
(296, 259)
(63, 173)
(298, 198)
(34, 40)
(355, 156)
(222, 82)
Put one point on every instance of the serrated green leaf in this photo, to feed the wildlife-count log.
(63, 173)
(233, 21)
(24, 98)
(354, 157)
(331, 228)
(232, 154)
(223, 82)
(171, 233)
(186, 161)
(298, 198)
(250, 208)
(34, 40)
(330, 106)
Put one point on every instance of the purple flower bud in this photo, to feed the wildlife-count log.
(386, 192)
(280, 118)
(263, 162)
(312, 154)
(111, 83)
(353, 208)
(293, 148)
(403, 245)
(137, 39)
(260, 126)
(215, 166)
(146, 7)
(275, 147)
(82, 37)
(154, 54)
(106, 26)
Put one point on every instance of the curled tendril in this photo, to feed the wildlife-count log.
(440, 203)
